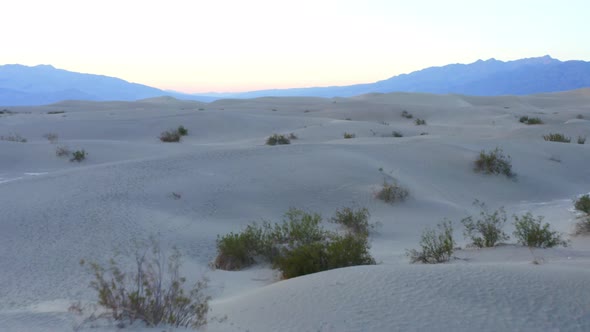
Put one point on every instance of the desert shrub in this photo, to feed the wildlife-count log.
(51, 137)
(530, 121)
(579, 116)
(420, 122)
(170, 136)
(349, 135)
(406, 115)
(182, 131)
(13, 138)
(581, 139)
(583, 204)
(557, 138)
(152, 291)
(523, 119)
(583, 225)
(292, 136)
(277, 139)
(337, 252)
(62, 151)
(297, 246)
(435, 246)
(532, 232)
(355, 221)
(55, 112)
(494, 162)
(397, 134)
(78, 155)
(485, 231)
(392, 192)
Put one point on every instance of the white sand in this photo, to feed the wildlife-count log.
(55, 212)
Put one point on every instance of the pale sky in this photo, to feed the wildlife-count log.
(240, 45)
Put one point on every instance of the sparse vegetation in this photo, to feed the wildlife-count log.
(579, 116)
(420, 122)
(152, 292)
(494, 162)
(55, 112)
(349, 135)
(182, 131)
(51, 137)
(392, 192)
(530, 121)
(557, 138)
(397, 134)
(292, 136)
(297, 246)
(533, 233)
(583, 204)
(277, 139)
(62, 151)
(581, 139)
(436, 246)
(406, 115)
(170, 136)
(78, 155)
(356, 222)
(13, 138)
(485, 231)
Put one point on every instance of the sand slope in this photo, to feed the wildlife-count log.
(55, 212)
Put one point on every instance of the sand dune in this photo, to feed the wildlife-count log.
(55, 212)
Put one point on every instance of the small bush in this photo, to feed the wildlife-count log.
(557, 138)
(297, 246)
(392, 192)
(397, 134)
(337, 252)
(420, 122)
(277, 139)
(356, 222)
(170, 136)
(581, 139)
(494, 162)
(407, 115)
(152, 292)
(182, 131)
(530, 121)
(13, 138)
(486, 231)
(579, 116)
(292, 136)
(62, 151)
(523, 119)
(583, 204)
(532, 233)
(435, 247)
(55, 112)
(78, 155)
(51, 137)
(349, 135)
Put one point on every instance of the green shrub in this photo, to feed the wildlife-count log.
(152, 291)
(356, 222)
(392, 192)
(170, 136)
(78, 155)
(523, 119)
(397, 134)
(182, 131)
(277, 139)
(292, 136)
(435, 247)
(349, 135)
(494, 162)
(557, 138)
(420, 122)
(297, 246)
(486, 231)
(530, 121)
(581, 139)
(579, 116)
(532, 233)
(583, 204)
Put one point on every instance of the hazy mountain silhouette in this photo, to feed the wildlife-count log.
(22, 85)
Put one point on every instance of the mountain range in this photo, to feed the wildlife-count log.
(44, 84)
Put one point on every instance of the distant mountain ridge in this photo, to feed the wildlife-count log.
(44, 84)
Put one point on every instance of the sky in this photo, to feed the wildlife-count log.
(242, 45)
